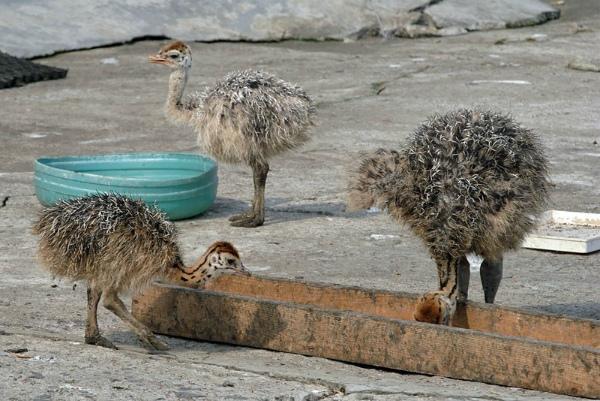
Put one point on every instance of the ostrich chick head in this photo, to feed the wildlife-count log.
(176, 55)
(435, 307)
(222, 257)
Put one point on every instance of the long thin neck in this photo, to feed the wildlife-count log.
(189, 275)
(174, 107)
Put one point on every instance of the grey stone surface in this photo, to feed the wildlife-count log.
(490, 14)
(40, 27)
(75, 371)
(117, 107)
(37, 27)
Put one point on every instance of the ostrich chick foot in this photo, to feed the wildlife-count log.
(100, 341)
(153, 343)
(242, 216)
(250, 221)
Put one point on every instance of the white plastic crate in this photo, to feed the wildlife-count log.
(564, 231)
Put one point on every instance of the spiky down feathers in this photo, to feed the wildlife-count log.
(467, 181)
(251, 116)
(110, 240)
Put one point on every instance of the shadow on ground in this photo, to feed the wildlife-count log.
(279, 210)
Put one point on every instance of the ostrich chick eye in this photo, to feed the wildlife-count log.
(173, 55)
(231, 261)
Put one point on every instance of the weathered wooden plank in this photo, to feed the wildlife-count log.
(373, 340)
(400, 305)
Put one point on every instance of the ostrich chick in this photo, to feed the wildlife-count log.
(248, 117)
(468, 181)
(118, 244)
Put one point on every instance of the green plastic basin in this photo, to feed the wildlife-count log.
(181, 184)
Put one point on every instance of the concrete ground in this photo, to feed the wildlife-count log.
(104, 108)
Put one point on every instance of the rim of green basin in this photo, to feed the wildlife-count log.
(43, 165)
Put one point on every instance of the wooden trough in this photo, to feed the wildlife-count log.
(487, 343)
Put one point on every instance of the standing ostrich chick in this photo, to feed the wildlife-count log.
(468, 181)
(118, 244)
(248, 117)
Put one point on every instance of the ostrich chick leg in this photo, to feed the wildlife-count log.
(113, 303)
(92, 334)
(464, 274)
(257, 216)
(491, 275)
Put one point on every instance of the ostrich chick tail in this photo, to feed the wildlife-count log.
(368, 184)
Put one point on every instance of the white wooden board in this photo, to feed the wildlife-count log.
(564, 231)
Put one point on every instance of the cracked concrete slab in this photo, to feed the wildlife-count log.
(117, 107)
(46, 371)
(37, 27)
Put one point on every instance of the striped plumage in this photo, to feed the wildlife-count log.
(115, 244)
(467, 181)
(247, 117)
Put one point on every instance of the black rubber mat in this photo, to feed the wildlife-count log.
(16, 71)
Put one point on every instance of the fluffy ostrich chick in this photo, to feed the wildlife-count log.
(247, 117)
(117, 244)
(468, 181)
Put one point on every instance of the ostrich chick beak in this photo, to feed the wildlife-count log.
(242, 271)
(157, 59)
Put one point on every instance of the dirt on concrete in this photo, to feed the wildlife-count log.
(369, 94)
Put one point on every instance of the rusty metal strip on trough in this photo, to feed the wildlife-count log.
(373, 340)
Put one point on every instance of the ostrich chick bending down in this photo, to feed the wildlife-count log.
(248, 117)
(468, 181)
(118, 244)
